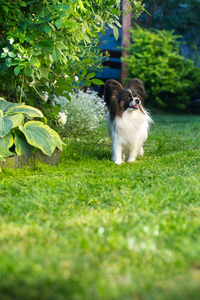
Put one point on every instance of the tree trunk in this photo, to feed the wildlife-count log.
(126, 24)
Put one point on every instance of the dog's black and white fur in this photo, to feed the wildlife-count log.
(127, 120)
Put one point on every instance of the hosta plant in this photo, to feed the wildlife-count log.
(23, 130)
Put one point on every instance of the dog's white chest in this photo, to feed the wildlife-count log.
(133, 125)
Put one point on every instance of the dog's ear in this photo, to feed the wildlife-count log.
(137, 85)
(112, 88)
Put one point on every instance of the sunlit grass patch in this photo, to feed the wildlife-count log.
(88, 229)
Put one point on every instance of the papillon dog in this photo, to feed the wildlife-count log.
(127, 120)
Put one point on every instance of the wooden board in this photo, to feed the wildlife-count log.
(20, 161)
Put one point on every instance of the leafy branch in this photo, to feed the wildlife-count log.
(45, 41)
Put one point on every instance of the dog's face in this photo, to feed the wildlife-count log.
(119, 99)
(129, 100)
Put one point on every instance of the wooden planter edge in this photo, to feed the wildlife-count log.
(16, 162)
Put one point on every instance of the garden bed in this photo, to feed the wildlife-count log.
(20, 161)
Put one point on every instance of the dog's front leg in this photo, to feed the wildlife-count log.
(132, 154)
(141, 151)
(116, 152)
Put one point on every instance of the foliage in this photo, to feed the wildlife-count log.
(82, 114)
(180, 16)
(44, 44)
(20, 134)
(88, 229)
(169, 78)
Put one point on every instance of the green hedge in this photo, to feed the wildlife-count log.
(169, 78)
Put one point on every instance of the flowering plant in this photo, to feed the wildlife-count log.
(62, 117)
(82, 114)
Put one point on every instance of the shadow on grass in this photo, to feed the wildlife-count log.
(182, 287)
(168, 135)
(86, 147)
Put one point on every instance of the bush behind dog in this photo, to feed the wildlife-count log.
(81, 115)
(169, 78)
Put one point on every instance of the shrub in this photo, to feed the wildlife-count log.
(43, 43)
(169, 78)
(82, 114)
(181, 16)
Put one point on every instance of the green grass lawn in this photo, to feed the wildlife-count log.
(90, 229)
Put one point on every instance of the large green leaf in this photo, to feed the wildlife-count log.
(21, 145)
(27, 111)
(57, 139)
(38, 135)
(5, 105)
(9, 122)
(56, 55)
(5, 152)
(58, 23)
(97, 81)
(6, 141)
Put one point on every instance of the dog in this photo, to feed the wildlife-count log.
(127, 120)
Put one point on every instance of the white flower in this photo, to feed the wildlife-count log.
(45, 96)
(84, 111)
(62, 118)
(100, 231)
(76, 78)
